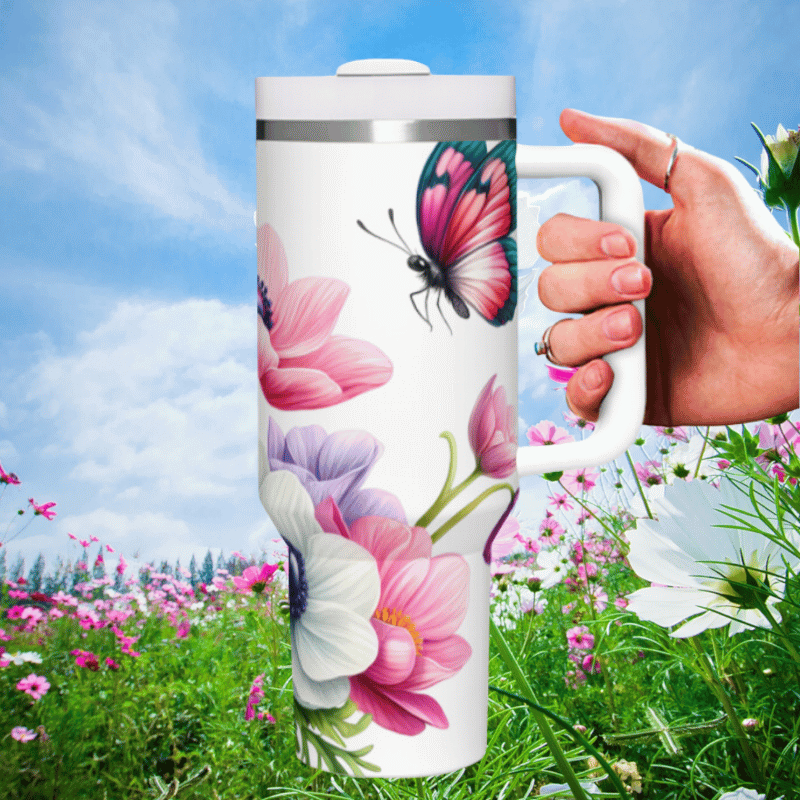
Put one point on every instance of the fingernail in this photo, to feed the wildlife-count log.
(592, 378)
(615, 245)
(628, 280)
(618, 326)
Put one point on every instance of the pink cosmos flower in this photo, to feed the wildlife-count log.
(551, 530)
(43, 510)
(112, 664)
(493, 432)
(577, 480)
(34, 685)
(560, 501)
(86, 659)
(8, 477)
(648, 473)
(423, 601)
(590, 665)
(301, 365)
(578, 422)
(673, 434)
(254, 579)
(580, 638)
(22, 734)
(546, 432)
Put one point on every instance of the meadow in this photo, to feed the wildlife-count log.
(175, 681)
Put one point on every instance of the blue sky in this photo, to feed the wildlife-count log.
(127, 191)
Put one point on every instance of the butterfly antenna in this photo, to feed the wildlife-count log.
(393, 244)
(391, 219)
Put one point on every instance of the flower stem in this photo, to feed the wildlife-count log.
(544, 726)
(716, 686)
(638, 484)
(791, 211)
(469, 507)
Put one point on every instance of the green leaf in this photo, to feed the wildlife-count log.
(552, 476)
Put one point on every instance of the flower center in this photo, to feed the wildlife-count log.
(746, 589)
(400, 620)
(298, 585)
(264, 305)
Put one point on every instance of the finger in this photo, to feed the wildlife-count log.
(574, 342)
(648, 149)
(570, 288)
(587, 388)
(567, 238)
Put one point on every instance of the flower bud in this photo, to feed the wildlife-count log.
(779, 178)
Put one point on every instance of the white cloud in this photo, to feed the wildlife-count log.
(159, 396)
(120, 117)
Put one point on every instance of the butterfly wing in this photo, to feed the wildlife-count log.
(469, 234)
(447, 171)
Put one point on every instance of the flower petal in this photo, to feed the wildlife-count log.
(332, 693)
(272, 267)
(332, 641)
(438, 661)
(305, 313)
(354, 365)
(667, 606)
(341, 572)
(396, 654)
(289, 507)
(439, 605)
(296, 389)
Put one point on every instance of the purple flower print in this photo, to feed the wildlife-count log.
(335, 466)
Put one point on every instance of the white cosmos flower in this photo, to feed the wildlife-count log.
(334, 588)
(552, 566)
(696, 562)
(683, 459)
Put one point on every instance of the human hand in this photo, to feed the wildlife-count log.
(722, 298)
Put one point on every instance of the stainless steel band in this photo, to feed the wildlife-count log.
(386, 130)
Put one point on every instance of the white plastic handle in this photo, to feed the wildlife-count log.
(622, 411)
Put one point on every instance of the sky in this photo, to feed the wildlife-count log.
(127, 245)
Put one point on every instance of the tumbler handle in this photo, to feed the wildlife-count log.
(622, 411)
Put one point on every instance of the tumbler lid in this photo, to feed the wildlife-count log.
(386, 89)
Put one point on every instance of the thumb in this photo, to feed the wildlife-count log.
(647, 149)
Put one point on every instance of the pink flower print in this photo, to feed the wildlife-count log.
(43, 510)
(423, 601)
(493, 432)
(254, 579)
(579, 638)
(34, 685)
(22, 734)
(546, 432)
(301, 365)
(8, 477)
(577, 480)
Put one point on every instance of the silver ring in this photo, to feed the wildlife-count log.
(543, 348)
(672, 159)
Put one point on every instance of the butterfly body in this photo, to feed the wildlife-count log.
(465, 217)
